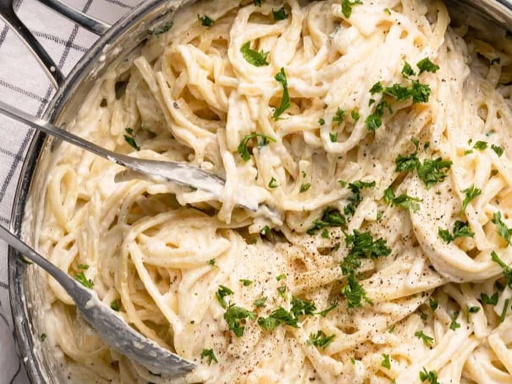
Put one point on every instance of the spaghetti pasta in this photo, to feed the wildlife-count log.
(381, 133)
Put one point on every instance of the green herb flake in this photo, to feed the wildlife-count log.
(235, 316)
(209, 355)
(407, 70)
(504, 231)
(304, 187)
(333, 136)
(386, 363)
(258, 303)
(376, 88)
(83, 267)
(474, 309)
(419, 92)
(346, 7)
(362, 244)
(258, 59)
(492, 300)
(327, 310)
(280, 14)
(166, 27)
(497, 149)
(470, 193)
(433, 304)
(82, 279)
(320, 339)
(129, 137)
(433, 171)
(454, 324)
(403, 201)
(355, 115)
(331, 217)
(430, 376)
(206, 21)
(302, 307)
(222, 292)
(427, 340)
(339, 116)
(277, 317)
(505, 309)
(480, 145)
(507, 270)
(285, 100)
(42, 337)
(425, 65)
(321, 121)
(115, 305)
(460, 229)
(245, 282)
(212, 262)
(272, 183)
(373, 122)
(354, 292)
(243, 147)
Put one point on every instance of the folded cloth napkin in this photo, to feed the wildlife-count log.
(24, 84)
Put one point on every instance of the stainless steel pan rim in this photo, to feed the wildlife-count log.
(130, 30)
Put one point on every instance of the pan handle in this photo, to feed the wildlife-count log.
(50, 67)
(44, 59)
(88, 22)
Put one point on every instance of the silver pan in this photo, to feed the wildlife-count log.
(115, 44)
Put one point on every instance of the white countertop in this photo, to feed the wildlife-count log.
(23, 84)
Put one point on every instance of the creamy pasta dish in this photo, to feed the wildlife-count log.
(378, 134)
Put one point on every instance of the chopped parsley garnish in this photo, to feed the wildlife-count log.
(258, 303)
(430, 376)
(355, 115)
(115, 305)
(499, 150)
(333, 136)
(460, 229)
(407, 70)
(234, 316)
(427, 340)
(362, 244)
(433, 171)
(470, 193)
(42, 337)
(402, 201)
(376, 88)
(82, 279)
(327, 310)
(277, 317)
(507, 270)
(419, 92)
(473, 309)
(280, 14)
(354, 292)
(480, 145)
(433, 303)
(83, 267)
(222, 292)
(304, 187)
(356, 187)
(398, 91)
(258, 59)
(209, 355)
(272, 183)
(302, 307)
(243, 147)
(206, 21)
(454, 324)
(505, 309)
(212, 262)
(425, 65)
(346, 7)
(374, 121)
(285, 100)
(386, 363)
(245, 282)
(129, 137)
(281, 277)
(331, 217)
(320, 339)
(162, 29)
(493, 300)
(502, 228)
(339, 116)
